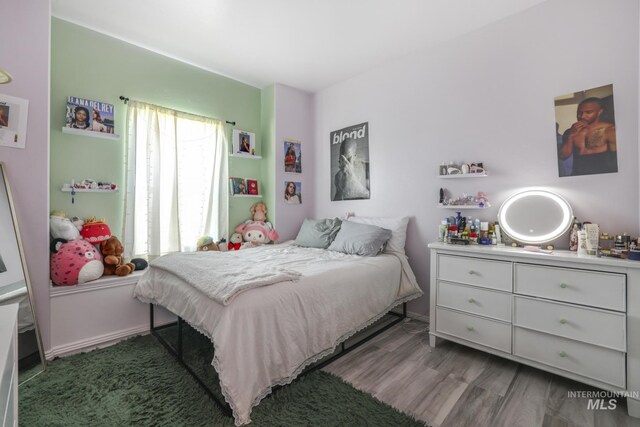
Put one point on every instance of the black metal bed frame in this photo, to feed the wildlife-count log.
(226, 409)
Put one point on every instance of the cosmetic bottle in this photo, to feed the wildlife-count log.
(582, 242)
(442, 231)
(573, 237)
(458, 221)
(498, 234)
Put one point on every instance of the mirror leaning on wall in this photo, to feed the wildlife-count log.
(15, 287)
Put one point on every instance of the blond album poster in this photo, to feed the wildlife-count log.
(586, 132)
(350, 163)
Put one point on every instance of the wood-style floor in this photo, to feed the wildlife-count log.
(453, 385)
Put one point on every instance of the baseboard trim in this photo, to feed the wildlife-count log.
(98, 342)
(95, 342)
(421, 317)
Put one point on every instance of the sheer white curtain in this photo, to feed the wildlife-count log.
(176, 183)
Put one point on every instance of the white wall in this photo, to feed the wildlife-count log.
(25, 55)
(294, 120)
(488, 96)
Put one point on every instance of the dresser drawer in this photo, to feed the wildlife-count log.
(605, 290)
(484, 302)
(603, 328)
(598, 363)
(473, 271)
(476, 329)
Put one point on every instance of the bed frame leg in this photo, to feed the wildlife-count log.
(151, 325)
(180, 323)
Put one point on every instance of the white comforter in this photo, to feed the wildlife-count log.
(223, 275)
(267, 335)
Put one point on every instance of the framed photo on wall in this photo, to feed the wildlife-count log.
(244, 143)
(292, 156)
(293, 192)
(13, 121)
(586, 132)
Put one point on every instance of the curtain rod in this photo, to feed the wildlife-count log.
(126, 101)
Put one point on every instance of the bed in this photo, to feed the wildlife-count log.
(265, 336)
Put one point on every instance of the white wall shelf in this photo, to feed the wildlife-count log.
(91, 133)
(245, 156)
(463, 207)
(464, 175)
(88, 190)
(247, 195)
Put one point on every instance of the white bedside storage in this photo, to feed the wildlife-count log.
(577, 317)
(9, 364)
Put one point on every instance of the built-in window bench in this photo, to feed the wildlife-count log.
(97, 314)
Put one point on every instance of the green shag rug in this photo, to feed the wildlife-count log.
(138, 383)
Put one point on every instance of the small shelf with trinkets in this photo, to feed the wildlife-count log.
(462, 170)
(464, 206)
(464, 175)
(479, 201)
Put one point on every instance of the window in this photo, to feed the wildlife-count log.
(176, 176)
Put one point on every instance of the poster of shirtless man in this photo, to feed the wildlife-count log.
(586, 132)
(350, 163)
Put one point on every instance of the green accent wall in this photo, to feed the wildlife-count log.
(91, 65)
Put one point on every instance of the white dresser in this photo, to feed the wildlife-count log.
(578, 317)
(9, 364)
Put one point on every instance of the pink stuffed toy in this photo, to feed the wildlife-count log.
(74, 262)
(257, 232)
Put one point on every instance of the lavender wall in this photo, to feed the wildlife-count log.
(294, 120)
(488, 96)
(25, 54)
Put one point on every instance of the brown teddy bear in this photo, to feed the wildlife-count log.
(114, 263)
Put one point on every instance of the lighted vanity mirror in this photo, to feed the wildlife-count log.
(534, 217)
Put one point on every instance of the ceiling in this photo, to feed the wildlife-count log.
(306, 44)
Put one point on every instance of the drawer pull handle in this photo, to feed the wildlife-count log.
(472, 272)
(470, 328)
(471, 300)
(563, 321)
(562, 354)
(563, 285)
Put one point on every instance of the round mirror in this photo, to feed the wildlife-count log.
(535, 217)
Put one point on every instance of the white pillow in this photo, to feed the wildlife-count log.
(397, 225)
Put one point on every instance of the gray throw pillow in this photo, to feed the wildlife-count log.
(360, 239)
(318, 233)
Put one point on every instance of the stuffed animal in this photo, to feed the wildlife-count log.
(257, 232)
(139, 263)
(259, 212)
(114, 263)
(62, 227)
(206, 243)
(95, 231)
(235, 242)
(74, 262)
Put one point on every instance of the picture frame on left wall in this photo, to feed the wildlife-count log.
(244, 143)
(13, 121)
